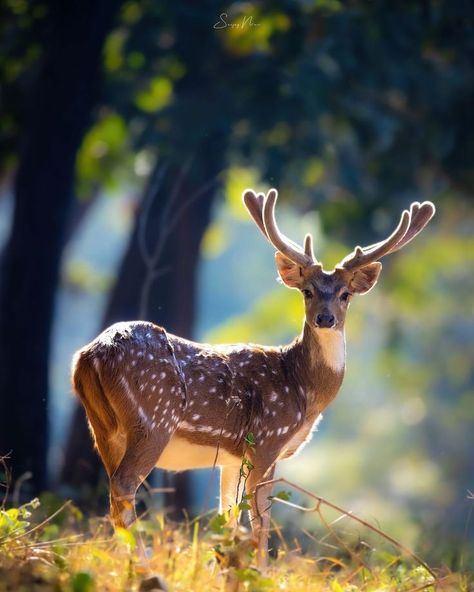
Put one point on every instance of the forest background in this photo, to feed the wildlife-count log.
(128, 130)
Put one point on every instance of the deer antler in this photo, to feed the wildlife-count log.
(262, 209)
(411, 223)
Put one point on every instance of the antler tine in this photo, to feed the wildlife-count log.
(254, 203)
(421, 214)
(277, 238)
(411, 223)
(363, 256)
(308, 246)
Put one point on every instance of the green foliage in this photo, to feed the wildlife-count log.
(254, 579)
(156, 96)
(103, 149)
(217, 522)
(14, 521)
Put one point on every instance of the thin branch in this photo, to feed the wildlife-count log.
(8, 479)
(349, 514)
(167, 225)
(148, 201)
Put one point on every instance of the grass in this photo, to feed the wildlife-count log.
(43, 550)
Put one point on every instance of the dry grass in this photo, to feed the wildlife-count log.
(65, 552)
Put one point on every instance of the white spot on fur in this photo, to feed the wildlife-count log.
(162, 375)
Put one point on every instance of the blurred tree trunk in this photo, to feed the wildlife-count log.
(58, 114)
(172, 295)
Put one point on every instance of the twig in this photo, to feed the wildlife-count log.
(351, 515)
(143, 218)
(167, 225)
(8, 478)
(19, 482)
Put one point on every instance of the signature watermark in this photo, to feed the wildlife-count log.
(225, 23)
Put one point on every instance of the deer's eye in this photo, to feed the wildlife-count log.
(345, 296)
(307, 293)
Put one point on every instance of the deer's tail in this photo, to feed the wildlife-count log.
(88, 386)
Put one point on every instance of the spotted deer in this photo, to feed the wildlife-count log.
(157, 400)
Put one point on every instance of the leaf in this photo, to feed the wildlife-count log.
(283, 495)
(125, 536)
(83, 582)
(217, 523)
(250, 439)
(157, 96)
(336, 586)
(244, 506)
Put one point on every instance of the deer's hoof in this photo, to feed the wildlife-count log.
(153, 584)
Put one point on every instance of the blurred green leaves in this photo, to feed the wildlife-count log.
(278, 314)
(238, 179)
(103, 149)
(156, 96)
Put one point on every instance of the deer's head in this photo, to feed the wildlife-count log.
(327, 294)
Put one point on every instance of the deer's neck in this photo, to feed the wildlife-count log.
(318, 359)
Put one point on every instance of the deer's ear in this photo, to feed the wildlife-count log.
(365, 278)
(291, 274)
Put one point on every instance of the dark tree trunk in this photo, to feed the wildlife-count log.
(58, 114)
(172, 295)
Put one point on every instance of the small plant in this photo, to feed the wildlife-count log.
(14, 521)
(246, 467)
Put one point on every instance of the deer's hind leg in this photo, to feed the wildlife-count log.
(143, 449)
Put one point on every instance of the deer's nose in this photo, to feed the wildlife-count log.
(325, 320)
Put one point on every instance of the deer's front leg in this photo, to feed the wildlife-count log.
(231, 489)
(261, 509)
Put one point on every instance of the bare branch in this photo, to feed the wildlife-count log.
(322, 501)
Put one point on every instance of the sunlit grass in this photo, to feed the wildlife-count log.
(67, 552)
